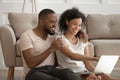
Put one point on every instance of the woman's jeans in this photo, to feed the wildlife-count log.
(51, 73)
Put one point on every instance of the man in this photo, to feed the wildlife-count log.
(37, 48)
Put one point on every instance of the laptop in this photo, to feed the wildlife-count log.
(105, 64)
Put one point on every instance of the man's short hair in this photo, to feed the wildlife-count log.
(44, 13)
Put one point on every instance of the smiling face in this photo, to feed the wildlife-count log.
(74, 26)
(50, 24)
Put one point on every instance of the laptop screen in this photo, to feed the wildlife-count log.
(106, 64)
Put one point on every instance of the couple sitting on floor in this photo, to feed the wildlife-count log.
(38, 47)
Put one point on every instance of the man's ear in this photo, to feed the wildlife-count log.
(41, 22)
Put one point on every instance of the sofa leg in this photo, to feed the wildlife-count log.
(10, 73)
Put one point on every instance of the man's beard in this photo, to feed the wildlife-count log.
(50, 32)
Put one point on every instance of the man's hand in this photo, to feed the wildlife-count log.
(56, 44)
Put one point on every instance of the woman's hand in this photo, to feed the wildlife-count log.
(96, 58)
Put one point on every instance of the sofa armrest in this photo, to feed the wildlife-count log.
(8, 41)
(91, 49)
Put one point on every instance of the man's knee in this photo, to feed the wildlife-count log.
(55, 78)
(70, 75)
(67, 71)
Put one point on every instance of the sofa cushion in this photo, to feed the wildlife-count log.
(106, 47)
(21, 22)
(103, 26)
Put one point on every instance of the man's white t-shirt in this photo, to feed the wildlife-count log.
(66, 62)
(30, 40)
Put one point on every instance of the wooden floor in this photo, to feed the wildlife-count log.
(18, 74)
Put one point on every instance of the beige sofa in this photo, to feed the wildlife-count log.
(104, 35)
(103, 31)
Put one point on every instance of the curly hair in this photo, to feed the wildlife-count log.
(69, 15)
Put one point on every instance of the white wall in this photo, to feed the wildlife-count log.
(87, 6)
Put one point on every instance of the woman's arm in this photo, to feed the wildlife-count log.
(75, 56)
(88, 64)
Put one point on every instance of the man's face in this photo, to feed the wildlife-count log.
(50, 24)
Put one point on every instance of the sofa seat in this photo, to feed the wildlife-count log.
(106, 47)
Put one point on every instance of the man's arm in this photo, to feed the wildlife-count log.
(34, 60)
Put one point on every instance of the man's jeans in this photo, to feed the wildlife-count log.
(51, 73)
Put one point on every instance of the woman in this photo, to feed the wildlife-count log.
(74, 53)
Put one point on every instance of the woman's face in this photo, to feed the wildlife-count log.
(74, 26)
